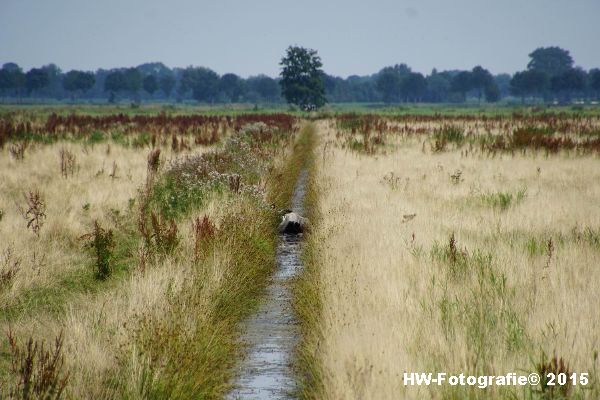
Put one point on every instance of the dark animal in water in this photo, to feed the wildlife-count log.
(292, 223)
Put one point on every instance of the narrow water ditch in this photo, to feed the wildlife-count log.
(272, 333)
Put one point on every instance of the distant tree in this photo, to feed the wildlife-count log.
(492, 92)
(529, 83)
(402, 69)
(481, 79)
(594, 79)
(167, 83)
(413, 86)
(232, 87)
(363, 88)
(133, 81)
(203, 82)
(388, 84)
(128, 80)
(54, 88)
(329, 83)
(98, 90)
(268, 88)
(150, 84)
(462, 83)
(352, 89)
(5, 80)
(567, 83)
(114, 83)
(35, 79)
(11, 66)
(551, 60)
(263, 88)
(153, 68)
(8, 74)
(503, 83)
(86, 81)
(301, 78)
(12, 79)
(78, 81)
(71, 81)
(438, 86)
(340, 90)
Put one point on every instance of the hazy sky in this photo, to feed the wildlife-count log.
(249, 37)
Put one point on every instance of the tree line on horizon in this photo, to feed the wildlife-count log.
(550, 76)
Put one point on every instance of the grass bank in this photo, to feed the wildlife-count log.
(307, 299)
(197, 362)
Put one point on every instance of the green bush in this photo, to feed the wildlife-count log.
(102, 243)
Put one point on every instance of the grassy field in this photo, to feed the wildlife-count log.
(458, 109)
(453, 245)
(133, 241)
(407, 109)
(131, 249)
(142, 109)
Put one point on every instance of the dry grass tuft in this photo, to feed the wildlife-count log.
(35, 214)
(550, 369)
(68, 162)
(204, 231)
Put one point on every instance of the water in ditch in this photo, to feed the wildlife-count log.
(271, 334)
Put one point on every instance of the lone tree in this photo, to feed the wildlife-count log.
(302, 78)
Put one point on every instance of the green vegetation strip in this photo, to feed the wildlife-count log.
(307, 300)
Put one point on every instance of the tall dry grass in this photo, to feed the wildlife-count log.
(102, 185)
(71, 203)
(441, 262)
(48, 284)
(104, 334)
